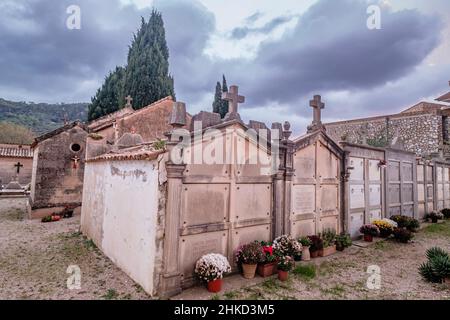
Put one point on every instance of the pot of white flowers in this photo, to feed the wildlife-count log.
(211, 268)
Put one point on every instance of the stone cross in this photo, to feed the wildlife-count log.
(317, 105)
(75, 162)
(18, 165)
(233, 98)
(129, 100)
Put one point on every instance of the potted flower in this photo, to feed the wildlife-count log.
(382, 164)
(287, 246)
(329, 246)
(249, 255)
(434, 216)
(306, 243)
(446, 213)
(268, 265)
(210, 268)
(403, 235)
(285, 264)
(386, 228)
(369, 231)
(343, 241)
(296, 250)
(316, 245)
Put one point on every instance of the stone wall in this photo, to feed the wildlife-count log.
(420, 133)
(56, 182)
(8, 171)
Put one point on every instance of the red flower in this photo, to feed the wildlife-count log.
(268, 250)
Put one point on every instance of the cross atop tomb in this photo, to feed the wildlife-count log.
(129, 100)
(233, 98)
(317, 105)
(18, 165)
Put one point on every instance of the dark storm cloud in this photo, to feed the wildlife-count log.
(242, 32)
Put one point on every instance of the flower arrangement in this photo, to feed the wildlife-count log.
(406, 222)
(285, 263)
(370, 229)
(403, 235)
(251, 253)
(434, 216)
(385, 227)
(269, 255)
(343, 241)
(287, 246)
(329, 237)
(305, 241)
(316, 243)
(211, 267)
(391, 222)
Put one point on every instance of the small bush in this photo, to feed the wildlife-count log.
(446, 213)
(436, 252)
(403, 235)
(437, 268)
(413, 225)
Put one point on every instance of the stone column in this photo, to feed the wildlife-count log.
(170, 283)
(288, 174)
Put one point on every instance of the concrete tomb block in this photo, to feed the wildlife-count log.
(430, 173)
(305, 163)
(446, 175)
(374, 195)
(408, 192)
(407, 172)
(446, 191)
(375, 215)
(356, 221)
(421, 210)
(302, 228)
(430, 206)
(420, 173)
(204, 204)
(430, 191)
(440, 193)
(357, 196)
(327, 163)
(330, 222)
(394, 193)
(439, 174)
(329, 197)
(394, 171)
(394, 211)
(303, 199)
(245, 235)
(408, 210)
(420, 192)
(193, 247)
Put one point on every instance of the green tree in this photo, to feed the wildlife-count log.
(147, 77)
(106, 100)
(15, 134)
(217, 98)
(224, 106)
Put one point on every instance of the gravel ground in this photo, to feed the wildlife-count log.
(34, 258)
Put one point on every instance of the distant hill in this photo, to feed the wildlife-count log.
(41, 117)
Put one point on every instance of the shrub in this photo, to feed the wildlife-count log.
(434, 216)
(403, 235)
(370, 229)
(437, 268)
(446, 213)
(285, 263)
(385, 227)
(212, 267)
(329, 237)
(343, 240)
(305, 241)
(251, 253)
(413, 225)
(287, 246)
(402, 221)
(316, 243)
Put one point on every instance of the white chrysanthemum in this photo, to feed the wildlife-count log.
(391, 222)
(212, 266)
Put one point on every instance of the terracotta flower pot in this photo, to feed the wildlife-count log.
(306, 256)
(249, 270)
(368, 238)
(267, 269)
(215, 285)
(327, 251)
(282, 275)
(314, 254)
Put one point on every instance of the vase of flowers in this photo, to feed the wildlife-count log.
(386, 228)
(211, 268)
(369, 231)
(306, 243)
(285, 264)
(329, 247)
(287, 246)
(249, 255)
(343, 241)
(268, 265)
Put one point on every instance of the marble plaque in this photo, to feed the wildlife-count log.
(394, 171)
(407, 172)
(329, 197)
(420, 192)
(252, 201)
(408, 193)
(305, 163)
(446, 176)
(303, 199)
(357, 196)
(327, 163)
(302, 228)
(394, 193)
(430, 206)
(439, 174)
(430, 192)
(356, 221)
(420, 172)
(440, 205)
(192, 247)
(430, 173)
(374, 170)
(446, 191)
(421, 209)
(374, 195)
(394, 211)
(375, 215)
(245, 235)
(330, 222)
(408, 210)
(440, 189)
(357, 173)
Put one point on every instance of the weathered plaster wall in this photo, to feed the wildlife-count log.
(420, 133)
(123, 211)
(8, 171)
(55, 180)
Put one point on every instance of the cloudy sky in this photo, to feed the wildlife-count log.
(280, 53)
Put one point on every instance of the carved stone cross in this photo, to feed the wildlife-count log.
(75, 162)
(18, 165)
(317, 105)
(129, 100)
(233, 98)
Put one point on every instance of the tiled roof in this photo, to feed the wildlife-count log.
(57, 131)
(15, 151)
(144, 152)
(445, 97)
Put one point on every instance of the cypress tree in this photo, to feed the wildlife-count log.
(106, 100)
(217, 98)
(147, 77)
(223, 109)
